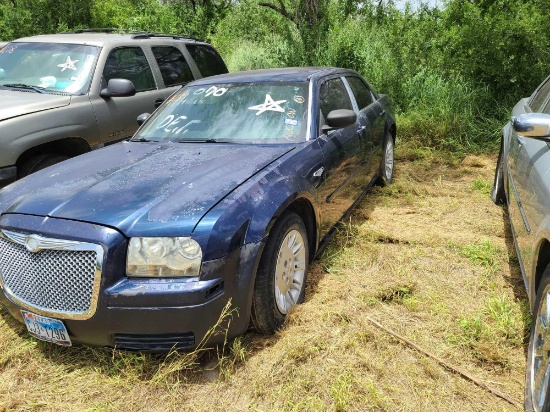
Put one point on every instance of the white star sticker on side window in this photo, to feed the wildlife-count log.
(268, 105)
(69, 64)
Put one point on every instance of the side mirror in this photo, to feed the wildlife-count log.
(534, 125)
(118, 88)
(338, 119)
(142, 117)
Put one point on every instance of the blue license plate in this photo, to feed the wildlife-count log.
(46, 329)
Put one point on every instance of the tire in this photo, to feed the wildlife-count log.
(281, 277)
(498, 196)
(39, 162)
(387, 164)
(537, 380)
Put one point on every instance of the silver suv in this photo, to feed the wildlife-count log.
(65, 94)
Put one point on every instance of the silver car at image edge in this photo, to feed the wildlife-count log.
(522, 183)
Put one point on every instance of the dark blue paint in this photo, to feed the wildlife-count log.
(225, 196)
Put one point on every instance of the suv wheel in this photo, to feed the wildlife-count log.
(39, 162)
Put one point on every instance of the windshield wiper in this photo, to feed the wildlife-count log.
(199, 141)
(142, 139)
(37, 89)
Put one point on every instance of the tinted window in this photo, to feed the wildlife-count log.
(173, 66)
(361, 92)
(540, 97)
(333, 95)
(207, 59)
(129, 63)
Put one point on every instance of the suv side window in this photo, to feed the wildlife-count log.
(540, 96)
(173, 66)
(207, 59)
(361, 92)
(130, 63)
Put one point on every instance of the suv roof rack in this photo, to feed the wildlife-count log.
(148, 35)
(136, 34)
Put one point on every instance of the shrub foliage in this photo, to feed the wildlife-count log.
(454, 72)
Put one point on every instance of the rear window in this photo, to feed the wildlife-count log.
(207, 59)
(173, 67)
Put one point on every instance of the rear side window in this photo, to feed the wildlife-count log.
(361, 92)
(130, 63)
(173, 66)
(540, 96)
(207, 59)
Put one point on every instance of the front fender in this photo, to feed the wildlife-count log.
(247, 214)
(25, 132)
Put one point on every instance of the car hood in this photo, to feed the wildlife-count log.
(142, 189)
(19, 103)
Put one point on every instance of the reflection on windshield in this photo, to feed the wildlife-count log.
(244, 112)
(65, 68)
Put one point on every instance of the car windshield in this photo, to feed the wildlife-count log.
(48, 67)
(232, 112)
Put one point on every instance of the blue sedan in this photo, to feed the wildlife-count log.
(222, 198)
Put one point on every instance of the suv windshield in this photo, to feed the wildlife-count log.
(53, 67)
(233, 112)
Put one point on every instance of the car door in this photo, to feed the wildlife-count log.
(528, 166)
(371, 118)
(116, 116)
(344, 152)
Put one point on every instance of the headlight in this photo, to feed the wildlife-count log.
(163, 257)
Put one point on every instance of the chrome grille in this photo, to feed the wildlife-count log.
(59, 279)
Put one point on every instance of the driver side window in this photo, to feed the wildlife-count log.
(131, 64)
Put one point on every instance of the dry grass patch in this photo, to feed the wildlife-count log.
(428, 257)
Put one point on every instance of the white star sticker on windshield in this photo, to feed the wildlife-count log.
(69, 64)
(268, 105)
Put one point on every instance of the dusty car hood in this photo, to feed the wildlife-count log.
(18, 103)
(140, 188)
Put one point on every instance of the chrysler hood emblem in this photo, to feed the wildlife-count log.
(35, 243)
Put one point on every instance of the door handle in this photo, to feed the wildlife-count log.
(382, 113)
(521, 140)
(158, 102)
(361, 129)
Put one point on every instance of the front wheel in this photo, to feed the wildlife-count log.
(538, 358)
(39, 162)
(281, 278)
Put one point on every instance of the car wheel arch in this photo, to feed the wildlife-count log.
(392, 128)
(68, 146)
(543, 261)
(303, 207)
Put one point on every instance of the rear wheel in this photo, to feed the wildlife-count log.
(39, 162)
(386, 167)
(498, 196)
(538, 358)
(281, 278)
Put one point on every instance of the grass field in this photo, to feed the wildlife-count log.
(429, 257)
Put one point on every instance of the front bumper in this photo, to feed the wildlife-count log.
(7, 175)
(150, 314)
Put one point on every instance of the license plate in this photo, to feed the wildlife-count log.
(46, 329)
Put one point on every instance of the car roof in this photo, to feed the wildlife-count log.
(101, 38)
(288, 74)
